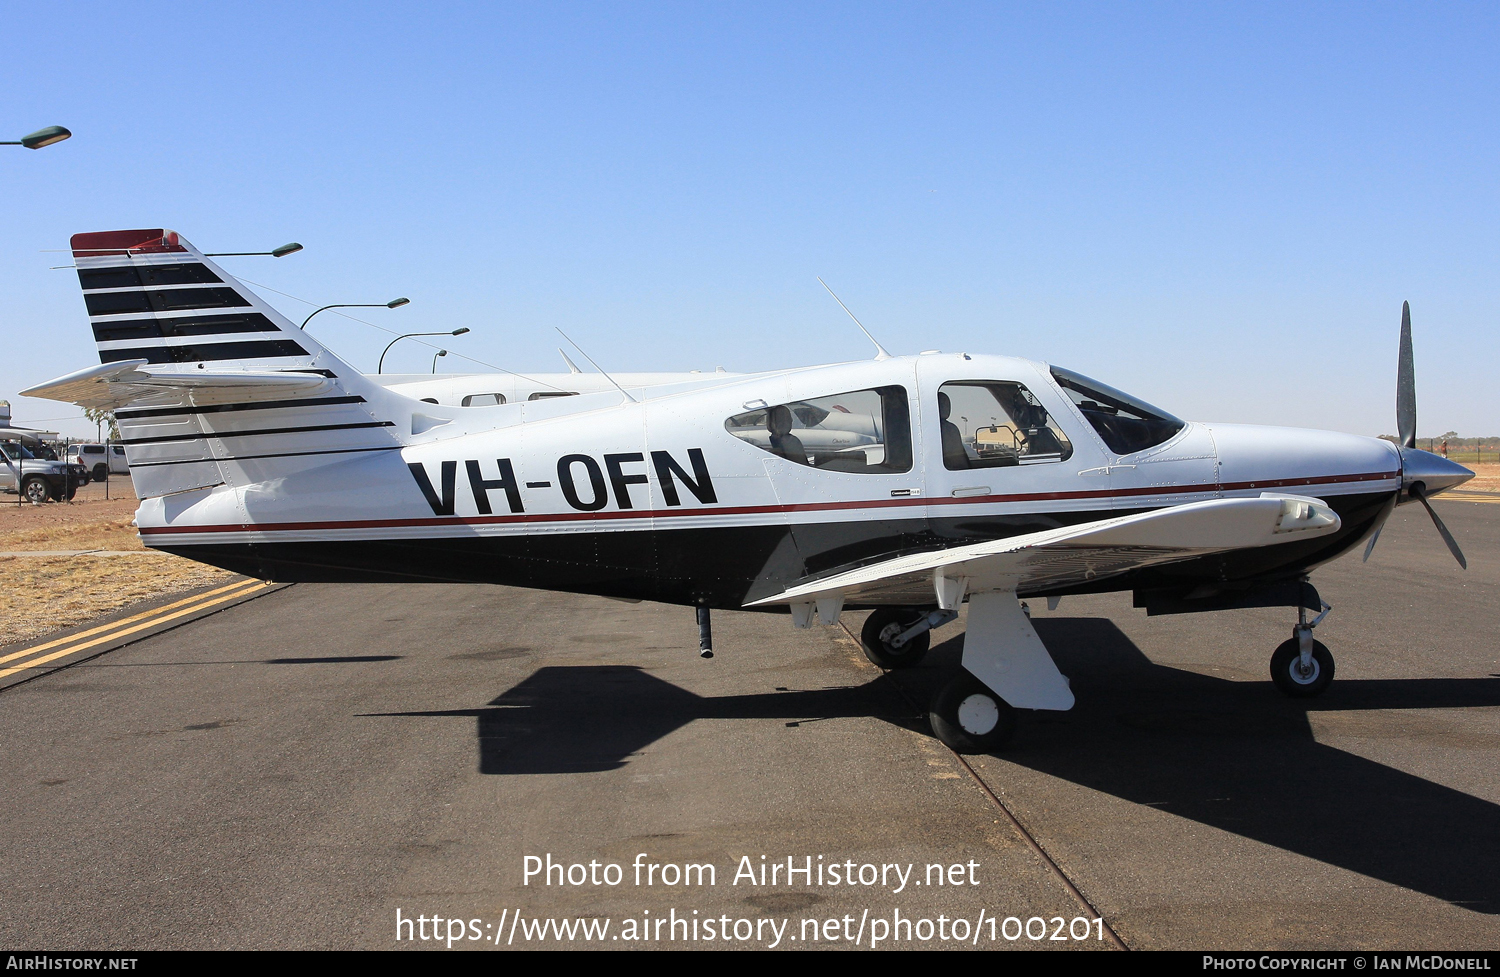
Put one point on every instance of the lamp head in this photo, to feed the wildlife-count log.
(286, 249)
(460, 331)
(397, 303)
(45, 137)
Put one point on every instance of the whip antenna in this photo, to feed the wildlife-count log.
(880, 353)
(595, 366)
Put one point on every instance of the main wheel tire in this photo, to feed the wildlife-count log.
(36, 490)
(970, 718)
(101, 472)
(1287, 674)
(883, 626)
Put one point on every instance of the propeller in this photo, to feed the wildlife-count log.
(1422, 472)
(1419, 492)
(1406, 384)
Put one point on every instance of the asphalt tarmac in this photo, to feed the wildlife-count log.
(299, 768)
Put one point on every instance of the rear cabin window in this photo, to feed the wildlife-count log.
(1124, 423)
(860, 431)
(549, 394)
(482, 400)
(996, 424)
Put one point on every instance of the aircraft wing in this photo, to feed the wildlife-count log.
(1074, 554)
(112, 385)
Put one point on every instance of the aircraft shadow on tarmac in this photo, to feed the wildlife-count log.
(590, 718)
(1241, 757)
(1236, 756)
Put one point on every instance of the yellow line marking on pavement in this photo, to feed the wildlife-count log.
(129, 620)
(155, 618)
(1470, 497)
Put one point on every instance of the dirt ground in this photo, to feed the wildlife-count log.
(39, 595)
(1486, 478)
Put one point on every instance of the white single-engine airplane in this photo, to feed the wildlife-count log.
(906, 485)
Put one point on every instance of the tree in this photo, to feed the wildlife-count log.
(99, 415)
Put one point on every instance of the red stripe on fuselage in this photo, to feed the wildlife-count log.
(754, 509)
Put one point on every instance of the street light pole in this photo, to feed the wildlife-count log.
(381, 367)
(441, 352)
(392, 304)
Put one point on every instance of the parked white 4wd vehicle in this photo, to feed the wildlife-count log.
(101, 461)
(36, 478)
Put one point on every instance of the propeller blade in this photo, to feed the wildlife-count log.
(1458, 554)
(1406, 384)
(1370, 547)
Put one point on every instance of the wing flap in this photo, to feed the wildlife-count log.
(1075, 554)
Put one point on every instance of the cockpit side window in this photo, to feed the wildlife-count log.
(995, 424)
(861, 431)
(1124, 423)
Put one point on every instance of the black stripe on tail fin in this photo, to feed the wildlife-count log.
(151, 295)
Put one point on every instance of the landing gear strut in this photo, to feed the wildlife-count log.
(1302, 667)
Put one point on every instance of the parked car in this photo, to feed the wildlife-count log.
(100, 460)
(37, 479)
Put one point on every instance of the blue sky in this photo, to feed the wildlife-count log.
(1218, 207)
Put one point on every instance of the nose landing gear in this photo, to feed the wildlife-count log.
(1301, 667)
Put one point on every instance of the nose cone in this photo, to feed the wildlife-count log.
(1436, 473)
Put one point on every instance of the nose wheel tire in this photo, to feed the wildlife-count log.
(884, 626)
(1289, 676)
(969, 718)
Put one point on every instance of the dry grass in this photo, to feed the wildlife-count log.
(45, 594)
(39, 595)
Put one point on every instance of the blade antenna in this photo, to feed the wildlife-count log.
(572, 367)
(880, 353)
(1406, 384)
(595, 366)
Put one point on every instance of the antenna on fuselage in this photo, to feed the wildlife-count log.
(572, 367)
(880, 352)
(594, 365)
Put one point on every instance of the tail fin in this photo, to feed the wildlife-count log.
(211, 385)
(151, 295)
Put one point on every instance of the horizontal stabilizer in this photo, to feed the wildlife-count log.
(113, 385)
(1075, 554)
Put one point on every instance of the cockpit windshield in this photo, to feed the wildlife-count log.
(1126, 424)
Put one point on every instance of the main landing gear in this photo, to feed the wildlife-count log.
(1005, 666)
(1301, 667)
(969, 718)
(898, 637)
